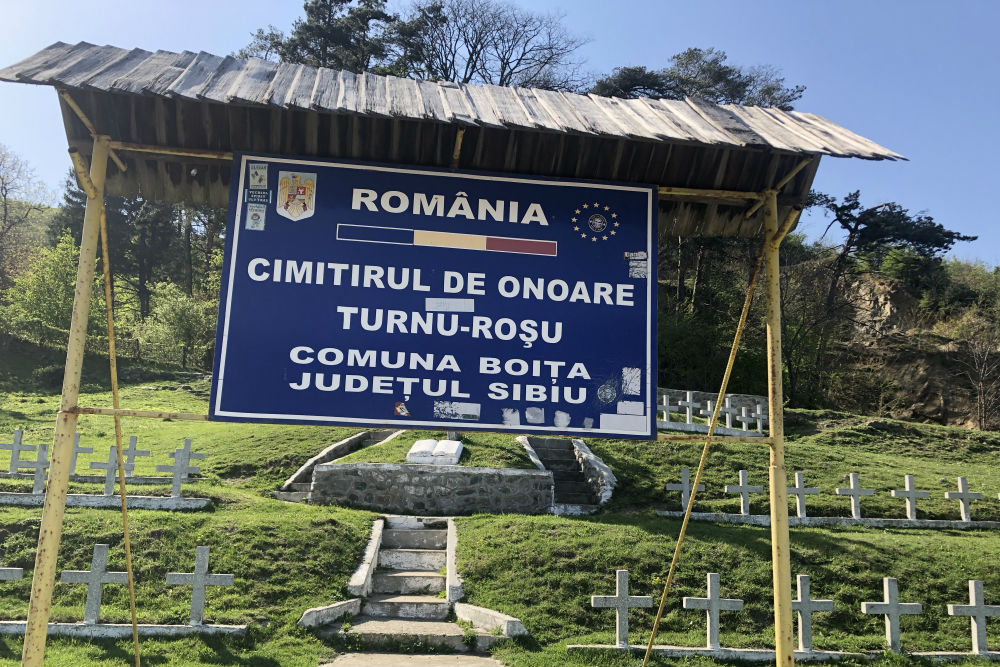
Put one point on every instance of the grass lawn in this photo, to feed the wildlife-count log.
(543, 569)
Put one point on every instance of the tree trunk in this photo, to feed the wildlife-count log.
(188, 277)
(699, 264)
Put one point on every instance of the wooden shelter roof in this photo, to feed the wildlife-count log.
(199, 101)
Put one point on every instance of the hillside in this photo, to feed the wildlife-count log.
(542, 569)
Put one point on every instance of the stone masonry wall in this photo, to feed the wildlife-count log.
(432, 490)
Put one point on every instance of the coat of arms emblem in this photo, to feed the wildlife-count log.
(296, 195)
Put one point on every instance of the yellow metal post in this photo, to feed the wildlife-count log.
(50, 531)
(777, 476)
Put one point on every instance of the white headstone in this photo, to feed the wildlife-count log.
(964, 497)
(911, 495)
(621, 602)
(684, 487)
(198, 580)
(855, 492)
(712, 605)
(95, 578)
(978, 611)
(892, 609)
(744, 489)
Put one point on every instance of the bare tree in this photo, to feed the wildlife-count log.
(22, 199)
(492, 41)
(980, 364)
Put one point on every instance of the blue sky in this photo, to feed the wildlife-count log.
(916, 76)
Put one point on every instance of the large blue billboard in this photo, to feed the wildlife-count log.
(382, 295)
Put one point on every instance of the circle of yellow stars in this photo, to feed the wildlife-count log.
(596, 207)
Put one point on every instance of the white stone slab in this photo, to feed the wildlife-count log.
(449, 448)
(631, 408)
(423, 447)
(626, 423)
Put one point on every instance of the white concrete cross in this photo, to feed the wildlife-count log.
(131, 453)
(77, 450)
(712, 605)
(110, 468)
(978, 611)
(760, 414)
(800, 491)
(892, 609)
(744, 489)
(198, 580)
(684, 487)
(16, 448)
(40, 465)
(911, 496)
(963, 496)
(665, 404)
(855, 492)
(621, 602)
(95, 578)
(689, 405)
(181, 467)
(727, 410)
(806, 607)
(745, 418)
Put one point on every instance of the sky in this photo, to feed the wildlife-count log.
(916, 76)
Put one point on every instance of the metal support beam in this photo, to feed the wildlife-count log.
(197, 153)
(678, 193)
(777, 475)
(458, 147)
(71, 103)
(780, 184)
(54, 506)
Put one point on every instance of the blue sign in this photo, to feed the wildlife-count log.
(378, 295)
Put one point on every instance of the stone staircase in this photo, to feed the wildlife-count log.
(571, 487)
(407, 605)
(299, 493)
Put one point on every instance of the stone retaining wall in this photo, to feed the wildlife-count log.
(432, 490)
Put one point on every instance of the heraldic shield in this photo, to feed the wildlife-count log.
(296, 195)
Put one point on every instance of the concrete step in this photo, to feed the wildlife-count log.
(556, 455)
(573, 499)
(424, 607)
(552, 443)
(412, 559)
(564, 509)
(302, 486)
(403, 538)
(573, 487)
(407, 582)
(397, 633)
(562, 466)
(395, 521)
(292, 496)
(567, 475)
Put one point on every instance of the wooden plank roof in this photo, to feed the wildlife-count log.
(203, 101)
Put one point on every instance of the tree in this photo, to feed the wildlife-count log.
(874, 231)
(144, 237)
(703, 73)
(180, 327)
(466, 41)
(40, 302)
(22, 202)
(491, 41)
(352, 35)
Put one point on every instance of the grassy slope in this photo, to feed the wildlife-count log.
(544, 569)
(286, 557)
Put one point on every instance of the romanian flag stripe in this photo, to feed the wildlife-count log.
(418, 237)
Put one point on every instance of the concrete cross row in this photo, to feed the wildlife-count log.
(911, 495)
(95, 578)
(684, 487)
(800, 491)
(744, 489)
(805, 607)
(712, 605)
(964, 497)
(892, 609)
(978, 611)
(198, 580)
(621, 602)
(855, 492)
